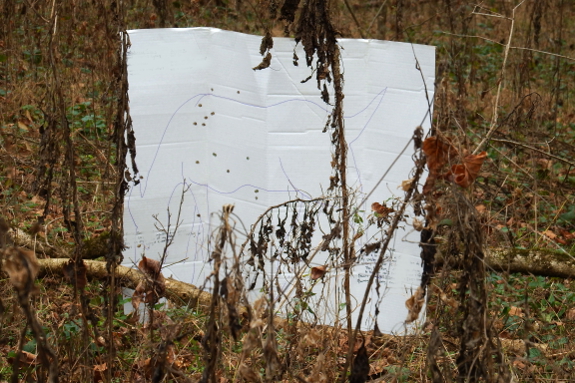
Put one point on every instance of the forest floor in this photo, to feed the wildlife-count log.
(524, 195)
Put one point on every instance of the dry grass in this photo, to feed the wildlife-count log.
(504, 73)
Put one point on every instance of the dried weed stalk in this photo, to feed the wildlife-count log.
(22, 268)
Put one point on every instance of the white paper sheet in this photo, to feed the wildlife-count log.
(254, 139)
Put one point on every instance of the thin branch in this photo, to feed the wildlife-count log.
(545, 53)
(518, 48)
(490, 15)
(354, 19)
(535, 150)
(495, 115)
(377, 14)
(473, 36)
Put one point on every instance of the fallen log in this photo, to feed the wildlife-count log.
(176, 291)
(539, 261)
(190, 296)
(544, 262)
(20, 238)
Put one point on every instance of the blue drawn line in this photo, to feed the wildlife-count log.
(207, 186)
(202, 95)
(379, 97)
(297, 190)
(382, 94)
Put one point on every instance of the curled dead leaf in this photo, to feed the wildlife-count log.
(414, 305)
(318, 272)
(154, 287)
(517, 311)
(381, 210)
(406, 184)
(150, 267)
(466, 173)
(29, 358)
(437, 152)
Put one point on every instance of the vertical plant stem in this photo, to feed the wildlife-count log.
(495, 114)
(124, 140)
(342, 169)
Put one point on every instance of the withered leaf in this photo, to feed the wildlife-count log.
(380, 210)
(150, 267)
(406, 184)
(437, 153)
(318, 272)
(464, 174)
(267, 43)
(414, 305)
(29, 358)
(266, 62)
(154, 286)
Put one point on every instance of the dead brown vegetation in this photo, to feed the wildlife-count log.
(500, 175)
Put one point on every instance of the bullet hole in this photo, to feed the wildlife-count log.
(203, 124)
(247, 158)
(200, 105)
(215, 154)
(198, 215)
(256, 191)
(212, 89)
(197, 162)
(205, 117)
(213, 113)
(195, 123)
(256, 198)
(238, 92)
(227, 171)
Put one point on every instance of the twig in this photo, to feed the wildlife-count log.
(389, 235)
(495, 115)
(361, 34)
(472, 36)
(377, 14)
(545, 52)
(490, 14)
(519, 48)
(535, 150)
